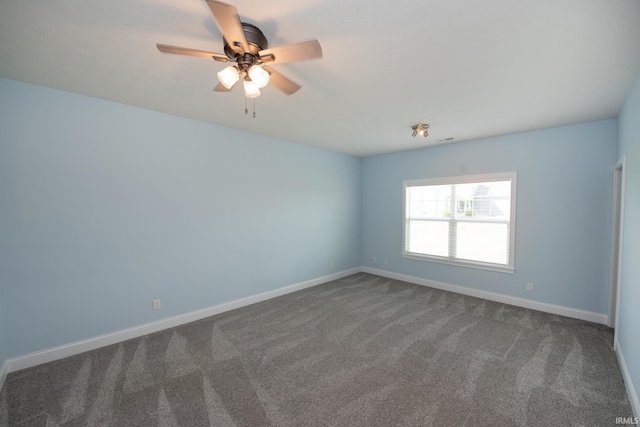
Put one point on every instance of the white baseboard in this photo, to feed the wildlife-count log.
(631, 391)
(55, 353)
(71, 349)
(3, 374)
(505, 299)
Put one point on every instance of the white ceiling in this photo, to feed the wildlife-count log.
(469, 68)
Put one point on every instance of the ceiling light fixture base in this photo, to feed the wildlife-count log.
(421, 129)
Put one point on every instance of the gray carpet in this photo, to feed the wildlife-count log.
(360, 351)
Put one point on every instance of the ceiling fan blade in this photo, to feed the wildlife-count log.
(292, 52)
(191, 52)
(229, 23)
(281, 82)
(221, 88)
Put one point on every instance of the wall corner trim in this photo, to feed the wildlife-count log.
(71, 349)
(505, 299)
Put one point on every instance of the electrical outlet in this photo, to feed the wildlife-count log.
(156, 304)
(386, 261)
(626, 341)
(373, 259)
(530, 287)
(331, 264)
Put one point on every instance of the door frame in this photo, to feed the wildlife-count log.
(617, 233)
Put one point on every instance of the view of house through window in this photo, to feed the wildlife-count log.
(462, 220)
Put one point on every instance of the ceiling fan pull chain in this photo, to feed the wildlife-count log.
(254, 108)
(246, 110)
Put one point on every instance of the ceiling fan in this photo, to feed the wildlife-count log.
(247, 46)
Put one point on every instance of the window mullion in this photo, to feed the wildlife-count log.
(453, 228)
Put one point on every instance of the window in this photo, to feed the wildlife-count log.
(465, 220)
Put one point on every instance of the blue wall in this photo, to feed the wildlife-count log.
(107, 207)
(629, 309)
(564, 199)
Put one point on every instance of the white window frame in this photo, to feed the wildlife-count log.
(505, 176)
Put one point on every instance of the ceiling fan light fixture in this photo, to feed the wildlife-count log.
(259, 76)
(247, 48)
(251, 89)
(229, 76)
(421, 129)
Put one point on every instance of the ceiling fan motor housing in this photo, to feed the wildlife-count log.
(255, 39)
(246, 47)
